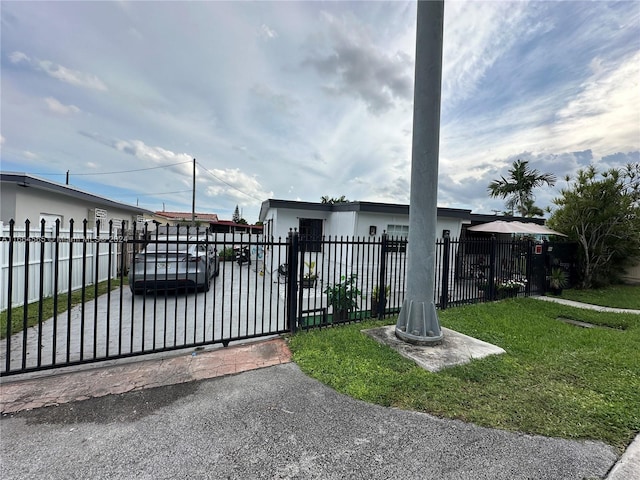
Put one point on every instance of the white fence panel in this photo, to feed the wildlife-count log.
(41, 261)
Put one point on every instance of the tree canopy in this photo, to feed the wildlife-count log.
(518, 188)
(236, 215)
(333, 200)
(602, 213)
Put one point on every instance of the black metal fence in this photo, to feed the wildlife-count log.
(67, 297)
(371, 274)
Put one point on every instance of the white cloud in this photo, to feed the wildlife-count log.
(354, 65)
(232, 182)
(64, 74)
(477, 34)
(157, 155)
(608, 98)
(267, 33)
(17, 57)
(57, 107)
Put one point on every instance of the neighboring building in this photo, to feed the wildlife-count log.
(27, 197)
(209, 219)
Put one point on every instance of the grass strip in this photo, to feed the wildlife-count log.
(17, 313)
(556, 379)
(618, 296)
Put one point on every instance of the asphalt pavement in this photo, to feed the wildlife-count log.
(273, 423)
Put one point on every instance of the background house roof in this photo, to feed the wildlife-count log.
(31, 181)
(207, 217)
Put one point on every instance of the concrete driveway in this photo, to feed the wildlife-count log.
(240, 303)
(273, 423)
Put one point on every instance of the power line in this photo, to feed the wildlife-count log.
(152, 194)
(130, 171)
(113, 173)
(226, 183)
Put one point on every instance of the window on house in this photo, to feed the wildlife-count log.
(398, 236)
(310, 234)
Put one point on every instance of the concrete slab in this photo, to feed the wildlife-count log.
(455, 349)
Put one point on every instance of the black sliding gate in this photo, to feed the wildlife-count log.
(66, 299)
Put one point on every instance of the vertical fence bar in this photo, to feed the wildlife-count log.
(96, 280)
(41, 290)
(123, 246)
(444, 302)
(69, 289)
(109, 275)
(9, 296)
(382, 276)
(84, 286)
(56, 272)
(25, 299)
(292, 284)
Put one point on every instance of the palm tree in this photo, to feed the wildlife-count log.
(518, 187)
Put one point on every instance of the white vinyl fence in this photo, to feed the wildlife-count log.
(33, 273)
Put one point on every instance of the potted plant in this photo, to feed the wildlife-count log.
(508, 288)
(375, 299)
(343, 297)
(309, 279)
(557, 280)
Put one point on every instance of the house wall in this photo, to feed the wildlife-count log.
(382, 221)
(31, 203)
(8, 201)
(341, 224)
(349, 224)
(285, 219)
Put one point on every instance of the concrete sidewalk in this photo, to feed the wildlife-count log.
(44, 389)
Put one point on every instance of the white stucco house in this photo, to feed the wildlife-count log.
(352, 219)
(360, 220)
(27, 197)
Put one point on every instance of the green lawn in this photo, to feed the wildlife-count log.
(33, 309)
(619, 296)
(556, 379)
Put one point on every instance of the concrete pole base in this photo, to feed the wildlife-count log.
(418, 324)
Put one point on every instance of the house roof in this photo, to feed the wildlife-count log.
(203, 217)
(208, 217)
(372, 207)
(31, 181)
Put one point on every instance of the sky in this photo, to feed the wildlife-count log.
(297, 100)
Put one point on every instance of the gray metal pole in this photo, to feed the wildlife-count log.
(418, 321)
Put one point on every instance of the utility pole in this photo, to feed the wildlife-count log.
(418, 321)
(193, 196)
(67, 177)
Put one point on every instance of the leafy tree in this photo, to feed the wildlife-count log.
(602, 214)
(242, 221)
(332, 200)
(236, 215)
(531, 210)
(517, 189)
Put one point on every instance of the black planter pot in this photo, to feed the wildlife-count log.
(309, 282)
